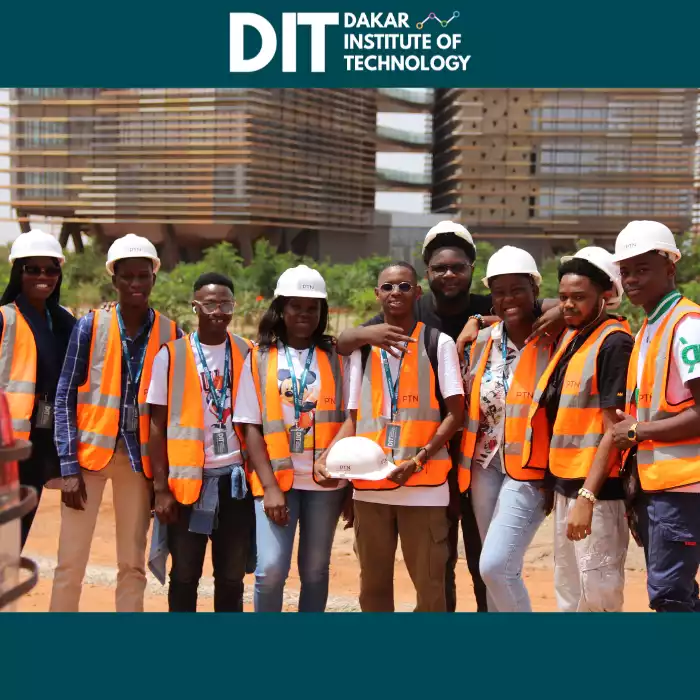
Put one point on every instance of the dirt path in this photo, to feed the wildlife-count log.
(98, 592)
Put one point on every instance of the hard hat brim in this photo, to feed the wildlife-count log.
(302, 295)
(110, 264)
(537, 278)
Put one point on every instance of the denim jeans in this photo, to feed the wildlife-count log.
(316, 513)
(508, 513)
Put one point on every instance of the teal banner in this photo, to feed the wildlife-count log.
(225, 43)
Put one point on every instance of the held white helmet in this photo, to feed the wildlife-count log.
(512, 261)
(448, 227)
(605, 262)
(640, 237)
(132, 246)
(301, 281)
(358, 457)
(36, 244)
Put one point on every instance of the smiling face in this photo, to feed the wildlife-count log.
(397, 289)
(40, 276)
(513, 298)
(133, 279)
(450, 273)
(580, 300)
(647, 278)
(214, 306)
(301, 317)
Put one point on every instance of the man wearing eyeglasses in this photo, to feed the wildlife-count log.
(101, 427)
(196, 452)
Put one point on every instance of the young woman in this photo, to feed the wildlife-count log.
(291, 402)
(509, 503)
(34, 331)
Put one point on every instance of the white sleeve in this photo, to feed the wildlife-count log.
(247, 408)
(449, 372)
(158, 388)
(353, 380)
(686, 349)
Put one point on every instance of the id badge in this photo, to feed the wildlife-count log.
(393, 433)
(296, 440)
(44, 415)
(220, 439)
(131, 419)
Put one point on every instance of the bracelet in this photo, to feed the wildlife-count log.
(588, 495)
(480, 319)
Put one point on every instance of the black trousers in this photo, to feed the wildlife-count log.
(472, 548)
(31, 473)
(230, 543)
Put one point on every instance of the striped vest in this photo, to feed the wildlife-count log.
(18, 369)
(99, 398)
(534, 358)
(662, 465)
(418, 414)
(185, 433)
(329, 414)
(579, 427)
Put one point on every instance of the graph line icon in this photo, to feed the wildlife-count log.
(443, 22)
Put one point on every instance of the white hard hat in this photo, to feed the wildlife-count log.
(132, 246)
(358, 458)
(604, 261)
(36, 244)
(448, 227)
(512, 261)
(640, 237)
(301, 281)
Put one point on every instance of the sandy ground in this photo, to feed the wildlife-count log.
(98, 592)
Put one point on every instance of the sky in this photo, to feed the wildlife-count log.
(392, 201)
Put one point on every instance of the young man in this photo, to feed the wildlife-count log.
(198, 464)
(569, 434)
(395, 403)
(449, 254)
(661, 422)
(102, 425)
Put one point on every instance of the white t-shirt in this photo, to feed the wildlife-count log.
(215, 356)
(680, 372)
(248, 410)
(492, 402)
(450, 382)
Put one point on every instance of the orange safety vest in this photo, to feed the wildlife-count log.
(662, 465)
(579, 427)
(534, 358)
(99, 398)
(185, 435)
(18, 369)
(418, 414)
(328, 418)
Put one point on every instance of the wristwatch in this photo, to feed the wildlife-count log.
(418, 462)
(632, 432)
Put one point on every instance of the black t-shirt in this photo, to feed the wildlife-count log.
(424, 310)
(613, 358)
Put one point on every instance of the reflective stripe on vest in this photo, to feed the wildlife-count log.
(99, 398)
(18, 369)
(329, 413)
(534, 359)
(579, 427)
(418, 414)
(185, 430)
(662, 465)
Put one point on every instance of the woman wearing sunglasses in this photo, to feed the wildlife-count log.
(34, 337)
(291, 402)
(509, 502)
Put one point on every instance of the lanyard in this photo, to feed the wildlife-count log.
(302, 381)
(504, 352)
(219, 398)
(393, 385)
(125, 351)
(49, 321)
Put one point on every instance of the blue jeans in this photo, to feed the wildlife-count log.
(317, 514)
(508, 513)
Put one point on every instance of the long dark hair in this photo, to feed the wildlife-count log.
(272, 328)
(14, 287)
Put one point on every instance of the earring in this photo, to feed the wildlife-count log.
(492, 312)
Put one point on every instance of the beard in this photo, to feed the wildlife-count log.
(452, 296)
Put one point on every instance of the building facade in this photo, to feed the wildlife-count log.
(191, 167)
(545, 167)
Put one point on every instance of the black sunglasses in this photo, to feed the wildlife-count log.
(37, 271)
(456, 269)
(401, 286)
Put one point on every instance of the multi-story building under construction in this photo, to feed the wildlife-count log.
(189, 167)
(542, 167)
